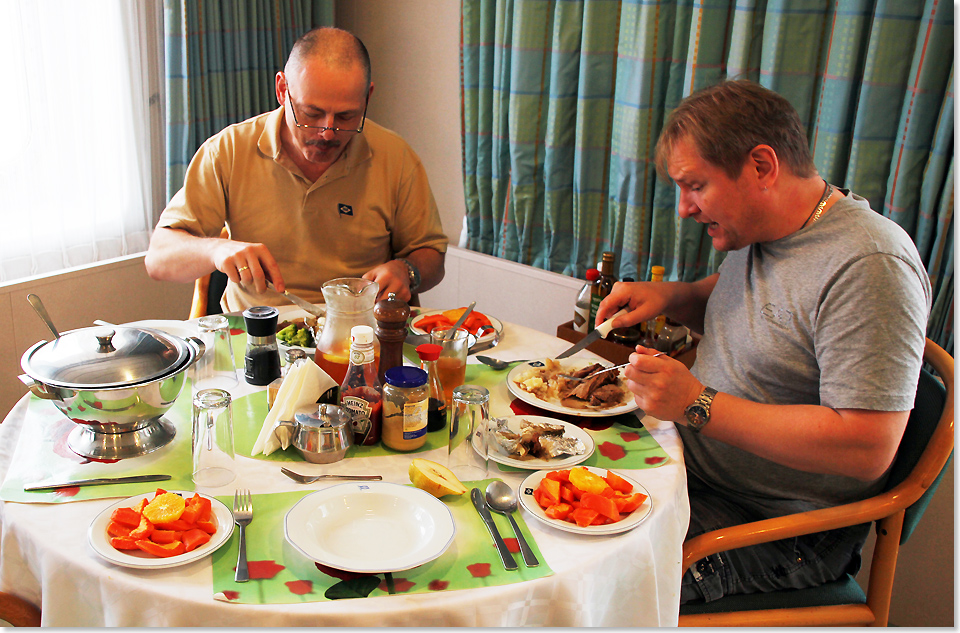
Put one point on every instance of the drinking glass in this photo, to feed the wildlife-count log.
(216, 369)
(452, 364)
(467, 450)
(213, 454)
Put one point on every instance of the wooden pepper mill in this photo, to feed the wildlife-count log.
(391, 315)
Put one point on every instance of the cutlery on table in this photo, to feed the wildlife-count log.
(303, 303)
(498, 364)
(309, 479)
(242, 516)
(98, 482)
(501, 499)
(477, 497)
(599, 332)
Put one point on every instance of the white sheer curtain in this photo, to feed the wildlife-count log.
(81, 171)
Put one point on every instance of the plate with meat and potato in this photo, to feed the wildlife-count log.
(540, 383)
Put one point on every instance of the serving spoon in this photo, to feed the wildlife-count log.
(501, 499)
(42, 311)
(496, 363)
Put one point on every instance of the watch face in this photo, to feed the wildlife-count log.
(696, 415)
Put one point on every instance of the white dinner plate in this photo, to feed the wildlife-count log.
(100, 540)
(535, 463)
(370, 527)
(628, 522)
(487, 337)
(572, 364)
(182, 329)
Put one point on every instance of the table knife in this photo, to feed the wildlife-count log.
(303, 303)
(99, 482)
(601, 331)
(478, 502)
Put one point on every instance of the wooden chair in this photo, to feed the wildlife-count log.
(925, 450)
(17, 611)
(206, 295)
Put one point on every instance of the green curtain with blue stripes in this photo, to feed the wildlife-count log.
(221, 58)
(563, 101)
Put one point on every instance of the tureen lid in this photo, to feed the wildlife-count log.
(105, 357)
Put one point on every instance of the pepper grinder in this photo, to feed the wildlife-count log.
(391, 315)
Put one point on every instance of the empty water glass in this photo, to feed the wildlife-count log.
(467, 450)
(217, 368)
(213, 454)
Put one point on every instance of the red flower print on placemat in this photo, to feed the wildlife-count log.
(630, 436)
(264, 569)
(654, 460)
(479, 570)
(400, 585)
(612, 451)
(300, 587)
(438, 585)
(512, 545)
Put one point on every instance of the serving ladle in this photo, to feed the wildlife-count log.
(501, 499)
(42, 311)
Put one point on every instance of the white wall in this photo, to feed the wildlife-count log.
(414, 46)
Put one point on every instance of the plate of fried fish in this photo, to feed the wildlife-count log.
(534, 442)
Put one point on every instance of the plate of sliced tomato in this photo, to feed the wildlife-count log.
(589, 501)
(484, 327)
(203, 526)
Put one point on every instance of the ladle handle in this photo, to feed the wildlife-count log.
(42, 311)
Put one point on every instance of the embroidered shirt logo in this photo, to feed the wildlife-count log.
(345, 209)
(775, 315)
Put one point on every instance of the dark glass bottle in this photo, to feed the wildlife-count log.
(437, 408)
(261, 363)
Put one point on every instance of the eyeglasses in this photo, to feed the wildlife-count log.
(320, 128)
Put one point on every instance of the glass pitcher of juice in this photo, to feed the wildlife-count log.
(349, 302)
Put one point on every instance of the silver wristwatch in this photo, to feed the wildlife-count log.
(698, 413)
(413, 274)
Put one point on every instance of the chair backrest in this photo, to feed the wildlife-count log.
(931, 404)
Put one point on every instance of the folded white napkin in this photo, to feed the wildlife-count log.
(302, 386)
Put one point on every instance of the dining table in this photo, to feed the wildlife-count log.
(630, 578)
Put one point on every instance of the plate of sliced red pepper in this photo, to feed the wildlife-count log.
(203, 525)
(482, 326)
(586, 500)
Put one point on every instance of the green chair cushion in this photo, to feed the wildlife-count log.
(842, 591)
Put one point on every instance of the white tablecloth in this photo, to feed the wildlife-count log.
(630, 579)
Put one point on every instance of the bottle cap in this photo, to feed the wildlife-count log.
(361, 334)
(429, 351)
(405, 376)
(593, 274)
(261, 320)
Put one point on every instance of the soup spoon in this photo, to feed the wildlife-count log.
(501, 499)
(496, 363)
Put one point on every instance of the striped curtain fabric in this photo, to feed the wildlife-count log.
(563, 101)
(221, 60)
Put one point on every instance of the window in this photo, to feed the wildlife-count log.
(81, 172)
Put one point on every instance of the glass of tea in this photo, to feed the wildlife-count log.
(452, 364)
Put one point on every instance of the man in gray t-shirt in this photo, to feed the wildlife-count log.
(813, 335)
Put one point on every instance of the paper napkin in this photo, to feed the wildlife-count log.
(302, 387)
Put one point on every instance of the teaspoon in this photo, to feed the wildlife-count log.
(501, 499)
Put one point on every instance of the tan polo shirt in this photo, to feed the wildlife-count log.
(373, 205)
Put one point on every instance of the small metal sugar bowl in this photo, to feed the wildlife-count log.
(321, 437)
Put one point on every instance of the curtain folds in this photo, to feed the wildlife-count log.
(563, 101)
(221, 60)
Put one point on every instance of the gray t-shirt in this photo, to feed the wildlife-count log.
(834, 315)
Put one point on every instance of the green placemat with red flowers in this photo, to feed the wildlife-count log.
(279, 574)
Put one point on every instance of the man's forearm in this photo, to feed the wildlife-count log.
(429, 262)
(176, 255)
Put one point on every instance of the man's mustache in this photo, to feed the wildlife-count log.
(322, 144)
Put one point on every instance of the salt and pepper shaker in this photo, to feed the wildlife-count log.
(391, 315)
(261, 363)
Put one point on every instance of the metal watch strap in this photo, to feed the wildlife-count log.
(698, 413)
(413, 274)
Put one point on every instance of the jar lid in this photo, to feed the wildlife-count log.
(261, 320)
(406, 377)
(429, 351)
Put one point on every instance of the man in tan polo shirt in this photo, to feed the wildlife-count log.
(308, 192)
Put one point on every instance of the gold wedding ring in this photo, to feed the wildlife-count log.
(243, 268)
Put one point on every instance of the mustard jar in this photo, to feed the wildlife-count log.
(405, 408)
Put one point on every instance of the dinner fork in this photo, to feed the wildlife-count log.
(596, 373)
(242, 516)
